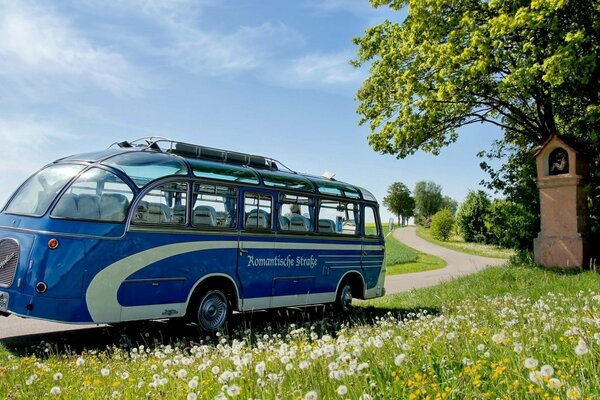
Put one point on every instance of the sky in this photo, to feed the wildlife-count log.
(267, 77)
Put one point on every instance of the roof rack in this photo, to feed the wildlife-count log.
(205, 153)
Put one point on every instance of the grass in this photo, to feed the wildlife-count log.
(506, 332)
(401, 259)
(457, 243)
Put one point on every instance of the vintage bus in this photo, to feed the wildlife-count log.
(159, 229)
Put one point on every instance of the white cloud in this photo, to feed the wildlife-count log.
(321, 69)
(28, 143)
(39, 47)
(185, 40)
(358, 7)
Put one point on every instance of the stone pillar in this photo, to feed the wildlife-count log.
(562, 241)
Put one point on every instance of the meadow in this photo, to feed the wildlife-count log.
(510, 333)
(401, 259)
(457, 243)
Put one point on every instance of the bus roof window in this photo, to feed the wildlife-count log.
(223, 172)
(143, 167)
(38, 192)
(339, 189)
(366, 194)
(286, 180)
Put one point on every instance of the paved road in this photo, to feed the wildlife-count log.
(458, 264)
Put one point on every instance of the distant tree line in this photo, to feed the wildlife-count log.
(479, 219)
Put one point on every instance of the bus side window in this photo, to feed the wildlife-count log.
(338, 217)
(296, 213)
(257, 211)
(372, 225)
(164, 204)
(214, 206)
(97, 195)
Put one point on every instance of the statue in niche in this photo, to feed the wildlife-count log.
(558, 162)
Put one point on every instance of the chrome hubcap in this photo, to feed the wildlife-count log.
(212, 312)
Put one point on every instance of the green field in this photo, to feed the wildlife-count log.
(457, 243)
(401, 259)
(507, 332)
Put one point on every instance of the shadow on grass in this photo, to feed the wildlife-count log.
(248, 326)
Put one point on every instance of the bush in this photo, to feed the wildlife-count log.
(441, 224)
(511, 225)
(470, 218)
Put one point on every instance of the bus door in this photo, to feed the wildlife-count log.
(257, 253)
(297, 269)
(373, 246)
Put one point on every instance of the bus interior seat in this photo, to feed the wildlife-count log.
(299, 223)
(113, 207)
(155, 214)
(326, 225)
(88, 206)
(284, 223)
(258, 219)
(166, 211)
(178, 214)
(141, 211)
(205, 216)
(67, 206)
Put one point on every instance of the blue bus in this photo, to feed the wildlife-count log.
(159, 229)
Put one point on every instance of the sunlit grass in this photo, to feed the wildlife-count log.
(402, 259)
(510, 332)
(457, 243)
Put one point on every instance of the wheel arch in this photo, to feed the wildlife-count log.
(215, 280)
(357, 283)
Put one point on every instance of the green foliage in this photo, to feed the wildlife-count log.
(529, 67)
(399, 201)
(510, 225)
(470, 218)
(428, 199)
(457, 243)
(441, 224)
(450, 204)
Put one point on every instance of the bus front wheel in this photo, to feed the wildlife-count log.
(343, 301)
(213, 310)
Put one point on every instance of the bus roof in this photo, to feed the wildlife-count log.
(148, 161)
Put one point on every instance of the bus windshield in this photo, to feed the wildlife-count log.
(36, 195)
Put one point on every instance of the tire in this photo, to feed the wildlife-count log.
(213, 310)
(343, 300)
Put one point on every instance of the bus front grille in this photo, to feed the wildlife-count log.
(9, 257)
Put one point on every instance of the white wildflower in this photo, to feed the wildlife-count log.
(342, 390)
(536, 377)
(573, 393)
(55, 390)
(105, 372)
(581, 348)
(547, 370)
(312, 395)
(58, 376)
(530, 363)
(399, 359)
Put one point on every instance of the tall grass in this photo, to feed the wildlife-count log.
(510, 333)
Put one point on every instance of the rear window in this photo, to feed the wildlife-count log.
(37, 193)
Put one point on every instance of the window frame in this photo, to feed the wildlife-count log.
(242, 211)
(73, 181)
(216, 227)
(357, 232)
(149, 188)
(378, 225)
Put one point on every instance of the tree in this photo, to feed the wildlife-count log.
(510, 224)
(399, 201)
(471, 216)
(441, 224)
(530, 67)
(450, 204)
(428, 198)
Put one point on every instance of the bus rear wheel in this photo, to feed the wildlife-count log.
(213, 310)
(343, 300)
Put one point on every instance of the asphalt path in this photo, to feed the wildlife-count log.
(458, 264)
